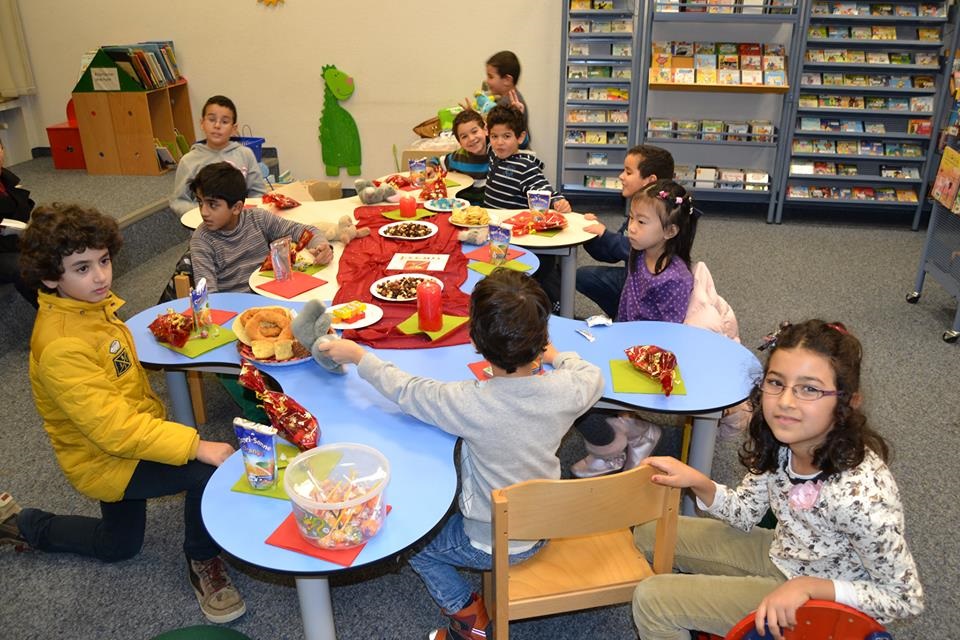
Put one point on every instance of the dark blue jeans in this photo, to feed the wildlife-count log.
(118, 535)
(603, 285)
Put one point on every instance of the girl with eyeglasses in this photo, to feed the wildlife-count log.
(816, 463)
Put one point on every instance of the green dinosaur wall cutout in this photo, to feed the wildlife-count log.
(339, 137)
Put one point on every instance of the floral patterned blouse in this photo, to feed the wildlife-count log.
(851, 531)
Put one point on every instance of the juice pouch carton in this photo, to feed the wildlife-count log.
(499, 240)
(200, 306)
(539, 200)
(418, 171)
(259, 453)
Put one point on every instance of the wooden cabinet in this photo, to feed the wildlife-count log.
(119, 129)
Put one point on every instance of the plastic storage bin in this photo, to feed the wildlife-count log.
(255, 144)
(337, 494)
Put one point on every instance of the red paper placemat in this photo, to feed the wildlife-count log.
(482, 254)
(294, 286)
(217, 316)
(288, 537)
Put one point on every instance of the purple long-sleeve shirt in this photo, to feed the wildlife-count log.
(662, 297)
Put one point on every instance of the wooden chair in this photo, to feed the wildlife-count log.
(819, 620)
(181, 282)
(590, 559)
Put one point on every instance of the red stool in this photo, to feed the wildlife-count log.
(818, 620)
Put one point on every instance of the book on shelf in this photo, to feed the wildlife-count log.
(824, 168)
(751, 76)
(802, 145)
(817, 31)
(855, 80)
(832, 79)
(829, 125)
(820, 8)
(603, 5)
(593, 181)
(774, 49)
(661, 75)
(580, 5)
(752, 62)
(576, 72)
(870, 148)
(728, 76)
(684, 76)
(727, 49)
(900, 103)
(853, 126)
(833, 55)
(621, 25)
(840, 32)
(612, 182)
(841, 193)
(682, 49)
(761, 130)
(881, 9)
(929, 34)
(875, 103)
(773, 63)
(821, 192)
(798, 191)
(898, 81)
(863, 193)
(844, 9)
(731, 178)
(130, 67)
(706, 76)
(932, 10)
(684, 174)
(705, 48)
(875, 127)
(892, 149)
(905, 10)
(882, 32)
(728, 61)
(599, 71)
(595, 137)
(706, 178)
(575, 136)
(921, 104)
(720, 6)
(826, 101)
(878, 81)
(756, 180)
(801, 168)
(618, 116)
(847, 169)
(711, 130)
(660, 127)
(811, 79)
(751, 6)
(810, 124)
(578, 49)
(775, 78)
(923, 82)
(898, 171)
(855, 56)
(920, 127)
(861, 32)
(900, 58)
(617, 137)
(737, 131)
(886, 194)
(847, 148)
(601, 26)
(597, 158)
(926, 58)
(577, 93)
(823, 145)
(621, 49)
(947, 183)
(851, 102)
(910, 150)
(906, 195)
(579, 26)
(878, 57)
(687, 129)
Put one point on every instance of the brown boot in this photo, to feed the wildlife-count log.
(9, 531)
(470, 623)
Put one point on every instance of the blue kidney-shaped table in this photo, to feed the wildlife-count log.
(717, 373)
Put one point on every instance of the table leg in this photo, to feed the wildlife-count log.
(700, 456)
(568, 282)
(316, 610)
(180, 397)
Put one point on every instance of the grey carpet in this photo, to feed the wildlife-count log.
(834, 268)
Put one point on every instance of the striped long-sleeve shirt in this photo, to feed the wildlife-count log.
(509, 180)
(227, 258)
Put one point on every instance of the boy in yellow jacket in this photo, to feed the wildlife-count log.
(107, 427)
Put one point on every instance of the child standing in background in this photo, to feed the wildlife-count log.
(218, 121)
(471, 158)
(642, 166)
(511, 427)
(232, 241)
(814, 461)
(658, 284)
(503, 74)
(108, 429)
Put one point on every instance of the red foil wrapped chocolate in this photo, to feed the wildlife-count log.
(530, 221)
(655, 362)
(172, 327)
(436, 187)
(290, 418)
(279, 200)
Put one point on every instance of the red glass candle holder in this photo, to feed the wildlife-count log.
(429, 306)
(408, 207)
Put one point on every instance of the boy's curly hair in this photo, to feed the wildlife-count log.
(60, 230)
(508, 116)
(508, 319)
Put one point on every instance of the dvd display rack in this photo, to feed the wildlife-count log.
(598, 94)
(872, 88)
(720, 77)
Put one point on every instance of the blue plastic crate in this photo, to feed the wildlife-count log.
(255, 144)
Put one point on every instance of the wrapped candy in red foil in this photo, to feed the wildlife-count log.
(279, 200)
(294, 422)
(172, 327)
(655, 362)
(397, 180)
(436, 187)
(530, 221)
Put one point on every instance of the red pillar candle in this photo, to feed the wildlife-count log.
(429, 306)
(408, 206)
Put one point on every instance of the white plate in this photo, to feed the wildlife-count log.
(373, 314)
(399, 276)
(439, 207)
(432, 227)
(468, 226)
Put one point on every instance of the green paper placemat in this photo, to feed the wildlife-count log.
(451, 183)
(547, 234)
(329, 459)
(197, 346)
(486, 268)
(312, 269)
(395, 215)
(626, 379)
(409, 326)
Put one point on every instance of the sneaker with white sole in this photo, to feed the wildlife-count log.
(219, 599)
(642, 438)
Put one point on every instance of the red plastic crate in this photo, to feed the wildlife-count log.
(65, 146)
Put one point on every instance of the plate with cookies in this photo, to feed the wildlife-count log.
(264, 336)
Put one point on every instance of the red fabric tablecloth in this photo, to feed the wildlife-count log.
(364, 261)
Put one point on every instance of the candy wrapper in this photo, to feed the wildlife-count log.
(531, 221)
(294, 422)
(397, 180)
(436, 187)
(172, 327)
(279, 200)
(655, 362)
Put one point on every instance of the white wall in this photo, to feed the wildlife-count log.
(408, 59)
